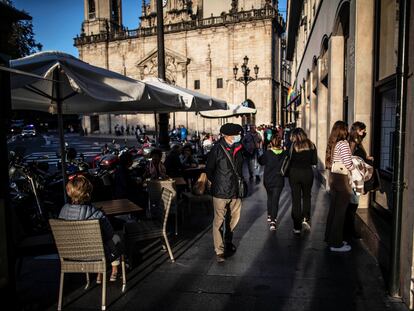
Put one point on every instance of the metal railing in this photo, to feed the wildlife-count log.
(260, 14)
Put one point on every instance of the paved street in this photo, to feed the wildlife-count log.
(270, 271)
(46, 148)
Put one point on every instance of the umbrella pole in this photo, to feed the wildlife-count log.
(156, 129)
(61, 133)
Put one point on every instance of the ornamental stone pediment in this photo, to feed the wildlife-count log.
(175, 63)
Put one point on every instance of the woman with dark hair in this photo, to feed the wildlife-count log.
(272, 179)
(357, 134)
(338, 160)
(304, 156)
(187, 158)
(79, 190)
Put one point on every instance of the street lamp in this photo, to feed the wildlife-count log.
(245, 78)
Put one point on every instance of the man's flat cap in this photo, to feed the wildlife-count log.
(231, 129)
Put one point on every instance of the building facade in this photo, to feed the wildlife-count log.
(204, 41)
(350, 61)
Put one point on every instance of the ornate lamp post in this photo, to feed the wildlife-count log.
(245, 79)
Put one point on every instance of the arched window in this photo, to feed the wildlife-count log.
(114, 11)
(342, 29)
(91, 8)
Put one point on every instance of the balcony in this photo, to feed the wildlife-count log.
(261, 14)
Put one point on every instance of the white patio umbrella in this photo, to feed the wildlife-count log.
(71, 86)
(83, 88)
(234, 110)
(194, 101)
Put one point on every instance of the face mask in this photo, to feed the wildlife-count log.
(236, 139)
(364, 134)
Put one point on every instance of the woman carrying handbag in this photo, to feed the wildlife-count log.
(339, 162)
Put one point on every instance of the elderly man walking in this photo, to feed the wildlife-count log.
(224, 170)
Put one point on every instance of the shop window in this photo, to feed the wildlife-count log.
(388, 108)
(196, 84)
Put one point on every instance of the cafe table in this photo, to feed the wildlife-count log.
(118, 207)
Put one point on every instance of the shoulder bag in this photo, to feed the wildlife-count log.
(284, 169)
(242, 188)
(339, 168)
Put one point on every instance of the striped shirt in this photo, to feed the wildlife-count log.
(342, 153)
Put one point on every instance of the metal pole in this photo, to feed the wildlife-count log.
(400, 119)
(163, 117)
(107, 66)
(61, 130)
(7, 252)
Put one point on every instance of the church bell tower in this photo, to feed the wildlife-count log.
(102, 16)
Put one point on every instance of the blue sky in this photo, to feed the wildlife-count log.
(57, 22)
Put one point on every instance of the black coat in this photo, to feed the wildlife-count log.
(272, 162)
(224, 181)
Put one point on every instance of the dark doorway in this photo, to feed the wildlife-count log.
(94, 123)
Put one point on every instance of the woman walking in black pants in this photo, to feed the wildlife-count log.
(304, 155)
(273, 181)
(339, 162)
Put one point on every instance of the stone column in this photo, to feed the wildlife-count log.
(323, 129)
(336, 79)
(313, 112)
(361, 65)
(86, 123)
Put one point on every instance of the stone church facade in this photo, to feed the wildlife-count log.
(204, 41)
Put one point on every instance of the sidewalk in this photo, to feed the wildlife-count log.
(270, 271)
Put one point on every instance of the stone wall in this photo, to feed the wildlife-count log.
(202, 54)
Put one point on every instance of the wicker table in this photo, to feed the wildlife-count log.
(118, 207)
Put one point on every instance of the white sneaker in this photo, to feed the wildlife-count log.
(296, 231)
(272, 226)
(306, 225)
(342, 249)
(269, 218)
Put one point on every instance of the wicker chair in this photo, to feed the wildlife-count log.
(152, 229)
(154, 197)
(80, 247)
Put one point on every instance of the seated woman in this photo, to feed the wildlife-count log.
(187, 158)
(155, 169)
(79, 190)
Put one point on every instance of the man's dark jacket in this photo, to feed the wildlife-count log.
(224, 182)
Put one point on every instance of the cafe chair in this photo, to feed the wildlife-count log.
(153, 228)
(81, 250)
(155, 187)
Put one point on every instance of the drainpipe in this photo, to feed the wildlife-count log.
(400, 120)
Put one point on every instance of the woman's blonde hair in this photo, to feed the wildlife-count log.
(300, 140)
(79, 189)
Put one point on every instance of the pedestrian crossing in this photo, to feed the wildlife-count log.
(52, 154)
(53, 159)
